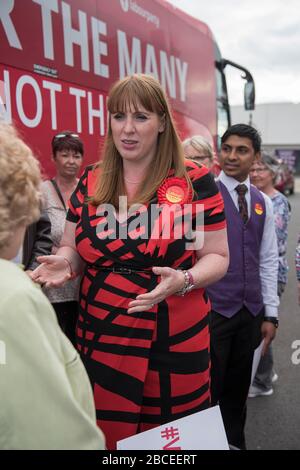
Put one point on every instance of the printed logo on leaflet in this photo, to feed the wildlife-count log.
(125, 4)
(138, 10)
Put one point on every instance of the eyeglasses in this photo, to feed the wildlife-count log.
(60, 136)
(200, 157)
(258, 170)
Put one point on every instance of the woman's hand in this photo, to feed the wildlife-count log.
(54, 271)
(171, 282)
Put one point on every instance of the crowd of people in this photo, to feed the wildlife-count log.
(162, 325)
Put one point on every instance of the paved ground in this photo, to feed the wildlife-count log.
(274, 422)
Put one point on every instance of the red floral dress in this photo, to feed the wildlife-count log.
(151, 367)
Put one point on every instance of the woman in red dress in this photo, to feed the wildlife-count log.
(147, 229)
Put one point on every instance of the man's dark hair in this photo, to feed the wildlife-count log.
(243, 130)
(67, 140)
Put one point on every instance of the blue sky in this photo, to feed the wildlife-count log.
(262, 35)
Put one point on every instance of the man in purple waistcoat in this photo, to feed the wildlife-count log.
(244, 302)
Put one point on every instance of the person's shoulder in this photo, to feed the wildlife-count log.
(269, 211)
(260, 194)
(195, 170)
(282, 205)
(12, 275)
(18, 290)
(90, 174)
(282, 198)
(202, 180)
(45, 183)
(255, 190)
(46, 187)
(91, 170)
(89, 179)
(266, 198)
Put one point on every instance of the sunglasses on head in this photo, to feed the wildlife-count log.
(60, 136)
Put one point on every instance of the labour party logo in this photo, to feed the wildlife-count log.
(258, 209)
(125, 4)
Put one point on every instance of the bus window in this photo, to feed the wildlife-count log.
(223, 114)
(223, 123)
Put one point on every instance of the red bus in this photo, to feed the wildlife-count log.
(58, 60)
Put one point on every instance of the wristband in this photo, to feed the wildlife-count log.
(188, 283)
(191, 279)
(72, 274)
(273, 320)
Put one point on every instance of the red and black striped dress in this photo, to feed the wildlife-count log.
(151, 367)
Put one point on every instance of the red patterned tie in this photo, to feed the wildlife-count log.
(241, 189)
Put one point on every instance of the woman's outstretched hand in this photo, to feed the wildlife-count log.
(171, 281)
(54, 271)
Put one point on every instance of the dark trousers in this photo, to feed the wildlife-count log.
(233, 341)
(67, 316)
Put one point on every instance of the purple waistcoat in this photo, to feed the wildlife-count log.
(241, 285)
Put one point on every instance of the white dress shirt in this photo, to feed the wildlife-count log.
(268, 255)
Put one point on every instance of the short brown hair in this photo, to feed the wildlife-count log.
(67, 140)
(19, 184)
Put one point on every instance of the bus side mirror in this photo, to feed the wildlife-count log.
(249, 96)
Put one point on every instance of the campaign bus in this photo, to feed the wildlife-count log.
(58, 60)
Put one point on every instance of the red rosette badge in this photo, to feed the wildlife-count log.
(174, 191)
(258, 209)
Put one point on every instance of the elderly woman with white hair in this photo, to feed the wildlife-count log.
(45, 393)
(263, 175)
(199, 150)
